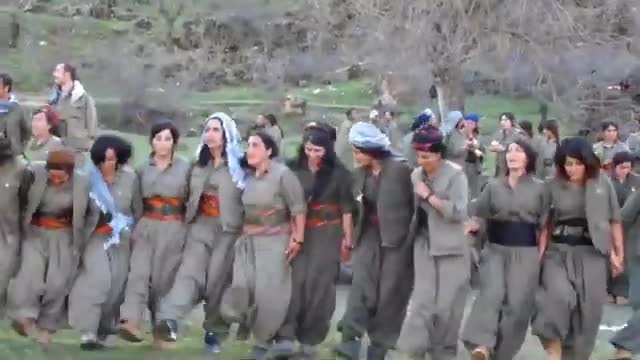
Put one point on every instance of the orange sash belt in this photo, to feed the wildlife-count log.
(322, 214)
(164, 208)
(51, 222)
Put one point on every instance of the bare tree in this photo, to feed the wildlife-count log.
(434, 41)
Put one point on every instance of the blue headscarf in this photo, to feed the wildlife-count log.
(232, 149)
(472, 117)
(422, 119)
(365, 135)
(452, 120)
(5, 105)
(99, 192)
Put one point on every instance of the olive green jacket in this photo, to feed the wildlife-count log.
(394, 204)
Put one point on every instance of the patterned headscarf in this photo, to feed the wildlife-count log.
(426, 137)
(232, 149)
(422, 119)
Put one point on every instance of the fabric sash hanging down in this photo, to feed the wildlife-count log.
(209, 205)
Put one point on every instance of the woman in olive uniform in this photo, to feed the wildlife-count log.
(159, 236)
(627, 340)
(610, 144)
(55, 234)
(272, 235)
(382, 251)
(273, 129)
(509, 133)
(626, 183)
(547, 146)
(96, 296)
(586, 235)
(513, 207)
(464, 148)
(15, 178)
(214, 215)
(440, 252)
(327, 188)
(44, 128)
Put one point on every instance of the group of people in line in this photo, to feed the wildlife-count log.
(90, 242)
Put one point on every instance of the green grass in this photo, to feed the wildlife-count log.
(338, 95)
(65, 346)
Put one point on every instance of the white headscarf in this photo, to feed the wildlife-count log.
(232, 149)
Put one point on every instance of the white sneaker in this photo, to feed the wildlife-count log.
(89, 342)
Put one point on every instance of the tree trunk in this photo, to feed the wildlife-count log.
(450, 88)
(15, 31)
(544, 111)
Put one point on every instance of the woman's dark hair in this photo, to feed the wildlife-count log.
(269, 144)
(120, 146)
(509, 116)
(552, 126)
(527, 127)
(52, 117)
(623, 157)
(317, 136)
(529, 152)
(330, 129)
(204, 156)
(163, 125)
(606, 124)
(581, 150)
(6, 81)
(271, 119)
(349, 112)
(274, 122)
